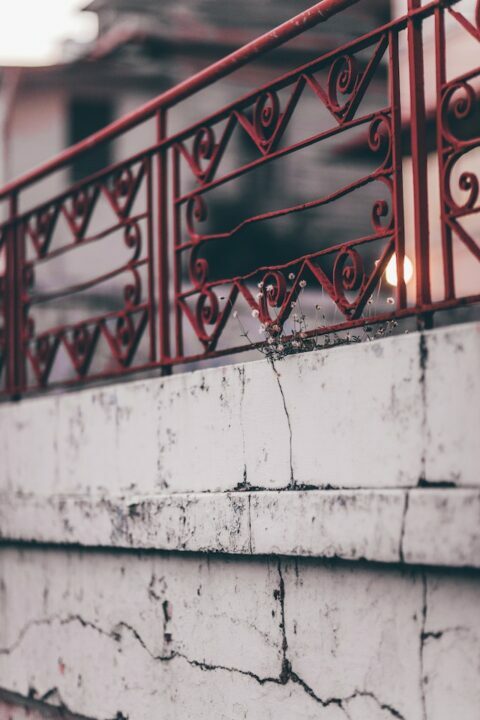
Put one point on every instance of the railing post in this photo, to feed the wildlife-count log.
(440, 67)
(163, 264)
(399, 213)
(419, 154)
(14, 314)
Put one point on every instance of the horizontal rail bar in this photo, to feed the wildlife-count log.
(321, 12)
(39, 298)
(290, 29)
(112, 375)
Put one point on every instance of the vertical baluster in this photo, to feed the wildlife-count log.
(15, 310)
(163, 264)
(152, 320)
(10, 303)
(440, 67)
(419, 154)
(398, 209)
(177, 262)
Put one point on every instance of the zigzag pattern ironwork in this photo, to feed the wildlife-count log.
(266, 128)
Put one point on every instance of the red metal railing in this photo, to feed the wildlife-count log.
(174, 248)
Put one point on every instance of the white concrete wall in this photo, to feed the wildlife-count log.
(249, 638)
(291, 541)
(384, 414)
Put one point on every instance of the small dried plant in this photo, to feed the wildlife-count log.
(280, 341)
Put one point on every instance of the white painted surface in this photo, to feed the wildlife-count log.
(453, 407)
(257, 639)
(378, 415)
(283, 472)
(427, 527)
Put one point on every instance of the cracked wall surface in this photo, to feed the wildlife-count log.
(386, 414)
(177, 636)
(260, 542)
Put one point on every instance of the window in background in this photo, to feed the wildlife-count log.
(86, 116)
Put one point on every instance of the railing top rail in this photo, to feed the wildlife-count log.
(318, 13)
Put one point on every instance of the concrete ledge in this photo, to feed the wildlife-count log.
(374, 415)
(430, 527)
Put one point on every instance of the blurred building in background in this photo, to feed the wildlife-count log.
(143, 47)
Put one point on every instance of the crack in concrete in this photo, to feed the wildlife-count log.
(277, 376)
(401, 553)
(383, 706)
(250, 538)
(286, 675)
(422, 641)
(286, 665)
(241, 373)
(23, 632)
(423, 356)
(438, 634)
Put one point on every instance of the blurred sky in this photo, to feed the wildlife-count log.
(32, 31)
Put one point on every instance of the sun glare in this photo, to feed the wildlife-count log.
(32, 31)
(391, 271)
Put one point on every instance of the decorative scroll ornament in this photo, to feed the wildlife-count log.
(196, 212)
(132, 292)
(467, 183)
(41, 352)
(206, 152)
(346, 84)
(78, 210)
(459, 103)
(204, 147)
(348, 276)
(266, 116)
(207, 312)
(125, 185)
(381, 210)
(80, 344)
(274, 294)
(380, 140)
(125, 330)
(40, 228)
(198, 269)
(133, 240)
(342, 80)
(124, 341)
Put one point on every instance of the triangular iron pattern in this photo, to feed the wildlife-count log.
(80, 342)
(40, 226)
(41, 351)
(213, 152)
(124, 190)
(124, 341)
(466, 24)
(465, 237)
(206, 146)
(218, 317)
(279, 120)
(346, 112)
(78, 209)
(309, 268)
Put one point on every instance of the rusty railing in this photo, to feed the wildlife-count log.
(182, 235)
